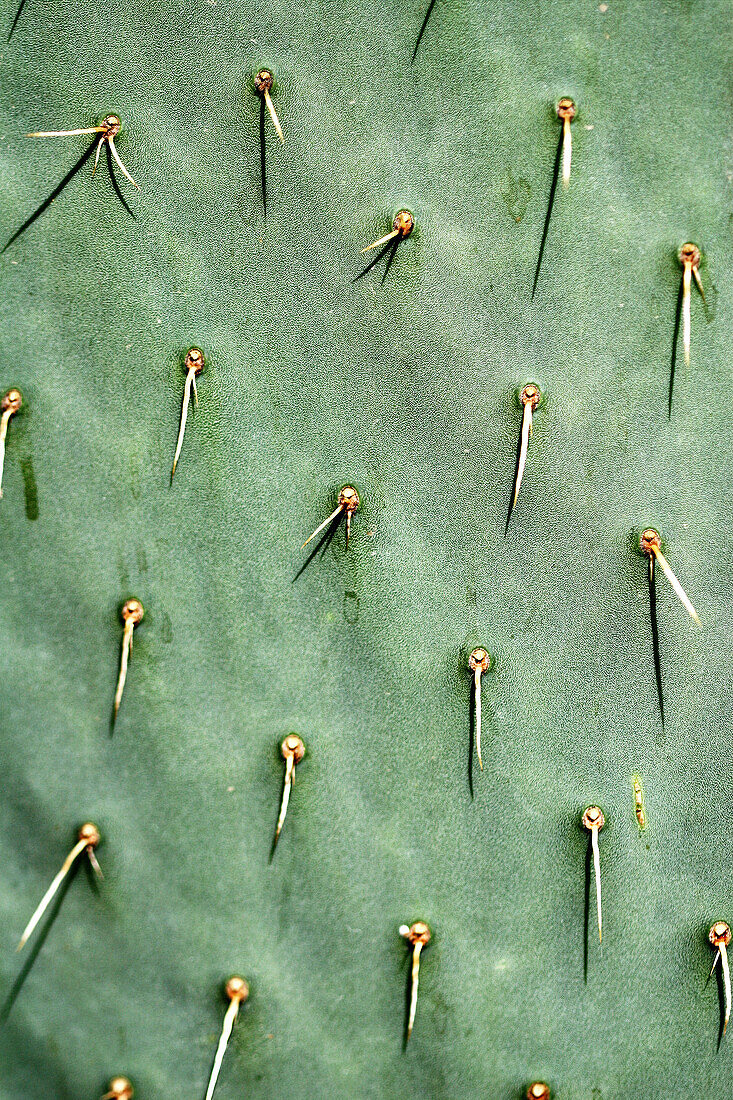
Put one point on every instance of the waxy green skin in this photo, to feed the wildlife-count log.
(407, 391)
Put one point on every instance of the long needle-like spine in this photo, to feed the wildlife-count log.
(226, 1031)
(424, 24)
(120, 165)
(52, 890)
(287, 786)
(273, 115)
(100, 143)
(567, 150)
(416, 949)
(726, 984)
(92, 857)
(417, 935)
(382, 240)
(566, 113)
(698, 281)
(678, 589)
(293, 751)
(67, 133)
(597, 872)
(263, 83)
(132, 614)
(190, 381)
(655, 636)
(478, 662)
(4, 421)
(126, 651)
(403, 224)
(325, 523)
(594, 820)
(348, 502)
(686, 286)
(526, 433)
(477, 706)
(715, 963)
(548, 215)
(720, 936)
(10, 403)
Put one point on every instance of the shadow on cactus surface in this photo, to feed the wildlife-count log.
(408, 391)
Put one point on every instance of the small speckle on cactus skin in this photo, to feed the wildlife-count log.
(639, 809)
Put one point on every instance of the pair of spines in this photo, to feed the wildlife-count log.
(720, 933)
(689, 253)
(12, 401)
(111, 124)
(89, 837)
(133, 612)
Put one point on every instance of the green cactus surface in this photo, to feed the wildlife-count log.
(406, 388)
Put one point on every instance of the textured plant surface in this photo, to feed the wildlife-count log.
(408, 390)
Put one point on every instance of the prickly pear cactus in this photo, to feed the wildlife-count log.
(406, 389)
